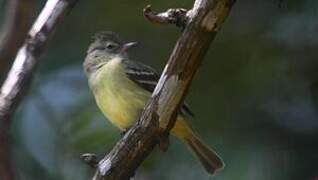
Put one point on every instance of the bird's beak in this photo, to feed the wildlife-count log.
(127, 46)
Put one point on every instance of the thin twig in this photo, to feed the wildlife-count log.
(204, 20)
(90, 159)
(20, 75)
(171, 16)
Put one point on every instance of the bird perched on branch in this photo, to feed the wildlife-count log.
(122, 87)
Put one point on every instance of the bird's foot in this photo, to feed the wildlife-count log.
(122, 133)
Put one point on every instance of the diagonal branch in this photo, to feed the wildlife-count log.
(20, 75)
(14, 29)
(203, 22)
(13, 32)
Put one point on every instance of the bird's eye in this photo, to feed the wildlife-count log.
(110, 46)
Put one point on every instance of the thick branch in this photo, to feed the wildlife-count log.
(20, 75)
(204, 20)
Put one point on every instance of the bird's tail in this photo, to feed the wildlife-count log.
(210, 160)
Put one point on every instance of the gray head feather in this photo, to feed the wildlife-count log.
(106, 36)
(106, 46)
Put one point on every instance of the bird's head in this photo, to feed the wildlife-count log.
(105, 47)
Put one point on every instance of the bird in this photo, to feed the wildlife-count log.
(122, 87)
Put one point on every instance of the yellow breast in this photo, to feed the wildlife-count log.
(120, 99)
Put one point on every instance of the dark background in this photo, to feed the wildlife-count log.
(255, 95)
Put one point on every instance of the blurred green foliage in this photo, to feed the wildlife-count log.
(255, 95)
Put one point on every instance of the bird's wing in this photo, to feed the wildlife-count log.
(147, 78)
(143, 75)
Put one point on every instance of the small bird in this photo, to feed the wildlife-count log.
(122, 87)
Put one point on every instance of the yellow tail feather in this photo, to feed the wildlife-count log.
(208, 158)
